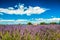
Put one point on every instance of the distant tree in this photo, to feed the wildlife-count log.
(59, 22)
(19, 24)
(42, 23)
(29, 23)
(53, 23)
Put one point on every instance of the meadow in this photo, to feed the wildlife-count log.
(30, 32)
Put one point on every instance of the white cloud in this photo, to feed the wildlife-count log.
(20, 21)
(48, 20)
(23, 10)
(25, 21)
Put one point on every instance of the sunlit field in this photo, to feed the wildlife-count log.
(29, 19)
(30, 32)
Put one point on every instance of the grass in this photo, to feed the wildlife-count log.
(43, 33)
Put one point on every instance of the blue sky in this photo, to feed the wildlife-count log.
(29, 10)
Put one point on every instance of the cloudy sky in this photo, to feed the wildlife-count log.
(22, 11)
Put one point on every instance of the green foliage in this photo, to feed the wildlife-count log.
(37, 37)
(6, 36)
(29, 23)
(1, 35)
(28, 37)
(48, 34)
(59, 22)
(53, 23)
(15, 36)
(23, 38)
(42, 23)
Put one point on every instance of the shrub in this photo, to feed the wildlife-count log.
(29, 23)
(53, 23)
(42, 23)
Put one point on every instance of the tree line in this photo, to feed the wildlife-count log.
(43, 23)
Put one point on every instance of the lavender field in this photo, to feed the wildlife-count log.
(29, 32)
